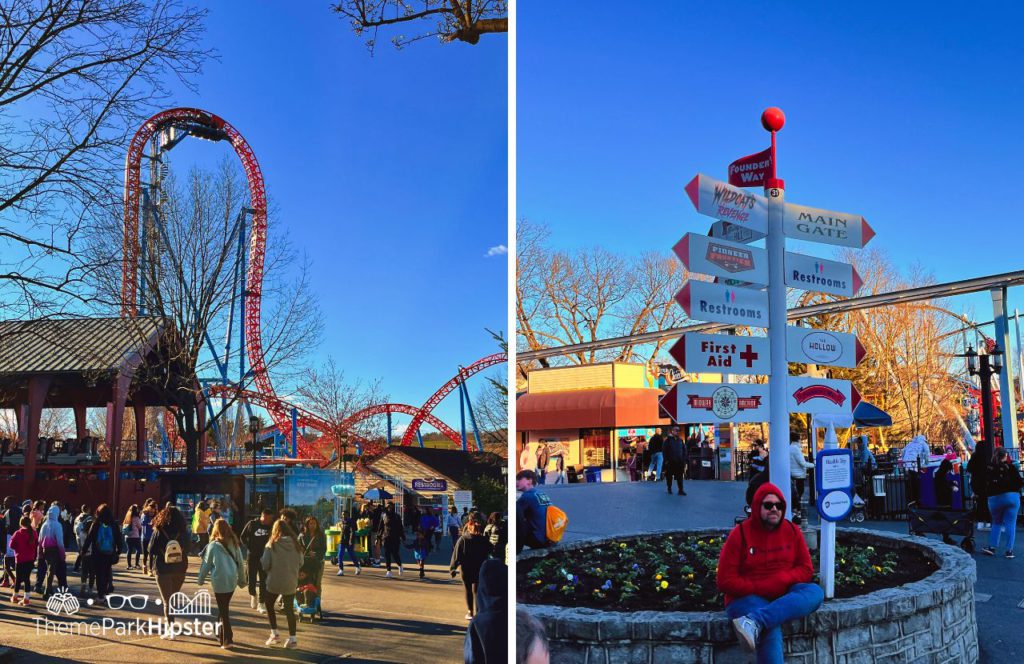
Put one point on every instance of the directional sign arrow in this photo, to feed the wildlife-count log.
(720, 258)
(716, 402)
(807, 345)
(820, 395)
(720, 200)
(814, 225)
(718, 303)
(721, 353)
(726, 230)
(817, 274)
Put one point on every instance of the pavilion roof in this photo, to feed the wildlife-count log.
(75, 345)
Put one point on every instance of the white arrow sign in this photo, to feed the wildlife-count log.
(716, 402)
(723, 201)
(720, 258)
(820, 395)
(814, 225)
(807, 345)
(726, 230)
(722, 353)
(718, 303)
(817, 274)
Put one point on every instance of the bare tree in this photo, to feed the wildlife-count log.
(453, 20)
(76, 78)
(333, 398)
(191, 284)
(574, 297)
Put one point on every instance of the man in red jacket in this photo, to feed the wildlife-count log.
(765, 572)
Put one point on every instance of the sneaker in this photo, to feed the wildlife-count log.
(341, 572)
(747, 631)
(399, 570)
(358, 570)
(1009, 555)
(252, 601)
(291, 642)
(227, 646)
(15, 598)
(988, 551)
(24, 602)
(469, 616)
(261, 609)
(273, 640)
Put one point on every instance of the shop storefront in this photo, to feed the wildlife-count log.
(574, 420)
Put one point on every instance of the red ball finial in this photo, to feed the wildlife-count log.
(773, 118)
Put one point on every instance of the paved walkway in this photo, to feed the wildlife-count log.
(367, 618)
(599, 510)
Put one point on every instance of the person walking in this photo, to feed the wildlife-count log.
(542, 462)
(201, 524)
(453, 525)
(84, 562)
(675, 458)
(347, 544)
(978, 467)
(495, 534)
(254, 538)
(169, 549)
(24, 543)
(470, 553)
(222, 564)
(1003, 491)
(103, 543)
(11, 518)
(313, 544)
(131, 528)
(149, 512)
(420, 550)
(655, 445)
(392, 536)
(51, 544)
(798, 467)
(758, 458)
(282, 561)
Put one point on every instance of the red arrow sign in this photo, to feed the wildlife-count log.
(669, 401)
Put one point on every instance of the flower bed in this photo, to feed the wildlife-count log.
(931, 619)
(676, 572)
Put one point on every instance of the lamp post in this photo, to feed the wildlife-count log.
(985, 366)
(343, 442)
(254, 427)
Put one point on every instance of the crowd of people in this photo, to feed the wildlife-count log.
(277, 556)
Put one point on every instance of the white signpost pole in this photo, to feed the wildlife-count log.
(775, 242)
(827, 545)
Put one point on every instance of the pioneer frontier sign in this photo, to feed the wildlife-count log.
(721, 258)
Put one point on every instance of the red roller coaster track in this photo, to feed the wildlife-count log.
(448, 388)
(257, 238)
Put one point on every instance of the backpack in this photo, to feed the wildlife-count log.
(557, 520)
(105, 540)
(172, 552)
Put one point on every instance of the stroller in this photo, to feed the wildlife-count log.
(307, 597)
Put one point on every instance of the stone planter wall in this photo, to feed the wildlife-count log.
(931, 620)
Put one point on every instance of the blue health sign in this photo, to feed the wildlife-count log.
(833, 479)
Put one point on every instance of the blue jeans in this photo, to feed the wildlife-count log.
(801, 600)
(351, 555)
(656, 458)
(1004, 508)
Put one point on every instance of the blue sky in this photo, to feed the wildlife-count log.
(389, 172)
(905, 115)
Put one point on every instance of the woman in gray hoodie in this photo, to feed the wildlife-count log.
(282, 560)
(222, 563)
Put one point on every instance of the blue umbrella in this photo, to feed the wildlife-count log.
(377, 494)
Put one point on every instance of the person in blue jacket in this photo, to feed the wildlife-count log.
(531, 512)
